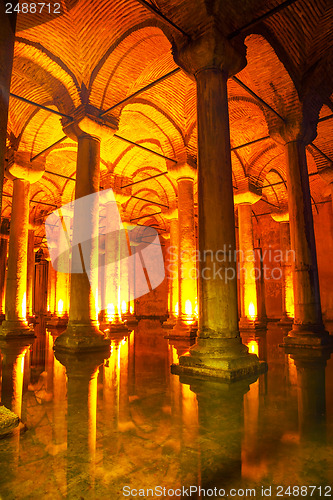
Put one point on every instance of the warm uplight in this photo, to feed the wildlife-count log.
(253, 347)
(110, 312)
(176, 309)
(188, 308)
(131, 310)
(96, 304)
(60, 307)
(24, 305)
(252, 311)
(196, 309)
(123, 307)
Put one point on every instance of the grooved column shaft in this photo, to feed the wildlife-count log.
(187, 287)
(16, 285)
(83, 293)
(218, 315)
(305, 272)
(247, 263)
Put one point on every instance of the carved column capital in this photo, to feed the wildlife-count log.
(210, 50)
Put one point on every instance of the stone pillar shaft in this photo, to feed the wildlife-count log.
(17, 255)
(287, 274)
(218, 315)
(249, 302)
(187, 286)
(7, 36)
(306, 283)
(30, 272)
(3, 267)
(83, 306)
(173, 267)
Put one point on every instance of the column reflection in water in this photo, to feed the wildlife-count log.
(13, 355)
(254, 465)
(220, 431)
(82, 371)
(314, 463)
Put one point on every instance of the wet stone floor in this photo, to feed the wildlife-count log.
(120, 427)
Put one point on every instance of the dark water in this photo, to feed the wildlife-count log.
(95, 425)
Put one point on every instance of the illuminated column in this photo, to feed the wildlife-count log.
(172, 264)
(187, 283)
(3, 264)
(248, 274)
(82, 332)
(308, 328)
(7, 35)
(219, 351)
(30, 271)
(116, 262)
(286, 266)
(41, 282)
(62, 277)
(23, 173)
(51, 289)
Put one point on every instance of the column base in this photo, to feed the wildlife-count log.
(169, 323)
(182, 330)
(57, 322)
(119, 326)
(219, 358)
(80, 337)
(15, 329)
(247, 325)
(286, 321)
(308, 336)
(130, 319)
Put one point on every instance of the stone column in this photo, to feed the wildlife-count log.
(187, 283)
(219, 351)
(22, 172)
(7, 36)
(172, 271)
(62, 279)
(30, 272)
(3, 264)
(51, 289)
(287, 272)
(82, 332)
(308, 328)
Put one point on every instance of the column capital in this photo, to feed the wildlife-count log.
(19, 166)
(88, 122)
(280, 216)
(171, 214)
(210, 50)
(247, 193)
(183, 170)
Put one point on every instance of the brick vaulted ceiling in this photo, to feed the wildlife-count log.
(101, 51)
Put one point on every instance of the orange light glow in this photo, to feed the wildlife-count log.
(110, 312)
(96, 304)
(253, 347)
(188, 307)
(60, 307)
(131, 309)
(176, 309)
(24, 305)
(123, 307)
(252, 311)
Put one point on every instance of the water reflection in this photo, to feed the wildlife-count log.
(94, 424)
